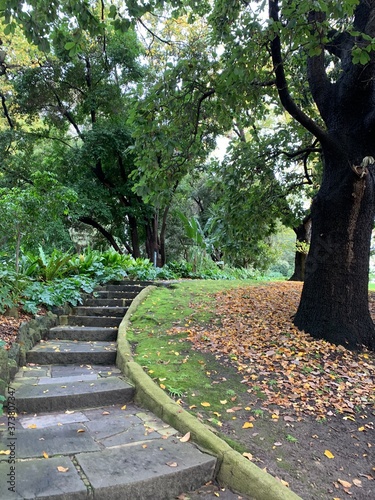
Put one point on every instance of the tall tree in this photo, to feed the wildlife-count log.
(332, 45)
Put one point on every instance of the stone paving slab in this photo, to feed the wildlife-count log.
(67, 380)
(56, 440)
(70, 352)
(40, 479)
(85, 333)
(153, 471)
(102, 321)
(100, 311)
(57, 396)
(68, 370)
(52, 419)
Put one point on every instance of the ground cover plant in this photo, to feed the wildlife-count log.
(303, 409)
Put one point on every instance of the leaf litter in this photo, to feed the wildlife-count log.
(313, 402)
(253, 330)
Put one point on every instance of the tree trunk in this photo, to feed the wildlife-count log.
(303, 237)
(133, 228)
(334, 302)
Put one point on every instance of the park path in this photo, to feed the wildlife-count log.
(78, 433)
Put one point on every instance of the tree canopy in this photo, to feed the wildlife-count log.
(224, 67)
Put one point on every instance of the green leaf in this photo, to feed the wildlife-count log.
(69, 45)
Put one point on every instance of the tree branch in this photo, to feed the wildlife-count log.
(6, 112)
(320, 86)
(282, 86)
(108, 236)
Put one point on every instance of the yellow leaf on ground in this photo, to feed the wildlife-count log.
(329, 454)
(80, 430)
(361, 429)
(249, 456)
(31, 426)
(162, 386)
(224, 402)
(123, 407)
(247, 425)
(274, 416)
(4, 452)
(205, 404)
(45, 454)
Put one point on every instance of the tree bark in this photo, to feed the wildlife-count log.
(303, 236)
(334, 301)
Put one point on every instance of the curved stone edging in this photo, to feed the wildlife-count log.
(234, 470)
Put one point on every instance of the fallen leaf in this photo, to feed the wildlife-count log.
(106, 413)
(224, 402)
(81, 430)
(144, 446)
(172, 464)
(45, 454)
(249, 456)
(69, 412)
(4, 452)
(123, 407)
(329, 454)
(361, 429)
(31, 426)
(343, 483)
(162, 386)
(247, 425)
(60, 468)
(185, 438)
(205, 404)
(357, 482)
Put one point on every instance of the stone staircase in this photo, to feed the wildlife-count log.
(78, 433)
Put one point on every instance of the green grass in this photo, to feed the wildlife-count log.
(170, 359)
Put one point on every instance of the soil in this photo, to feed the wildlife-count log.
(331, 459)
(293, 450)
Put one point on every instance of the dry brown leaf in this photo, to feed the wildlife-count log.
(345, 484)
(60, 468)
(172, 464)
(185, 438)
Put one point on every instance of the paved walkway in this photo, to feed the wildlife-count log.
(78, 433)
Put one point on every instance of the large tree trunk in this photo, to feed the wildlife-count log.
(334, 302)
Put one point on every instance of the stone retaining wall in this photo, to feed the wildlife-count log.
(29, 334)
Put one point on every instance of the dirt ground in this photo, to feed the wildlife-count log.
(296, 449)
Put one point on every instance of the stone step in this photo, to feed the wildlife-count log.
(115, 294)
(100, 311)
(68, 352)
(110, 452)
(82, 333)
(97, 302)
(96, 321)
(38, 397)
(121, 288)
(146, 472)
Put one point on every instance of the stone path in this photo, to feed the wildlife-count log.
(78, 433)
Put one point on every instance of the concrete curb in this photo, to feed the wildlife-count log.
(234, 470)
